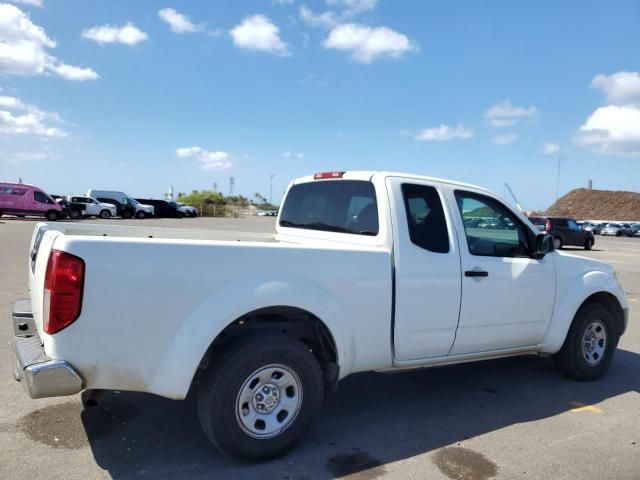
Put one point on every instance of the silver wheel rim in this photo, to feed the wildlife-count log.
(594, 343)
(557, 243)
(269, 401)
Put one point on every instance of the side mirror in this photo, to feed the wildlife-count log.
(544, 245)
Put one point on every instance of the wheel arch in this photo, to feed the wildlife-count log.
(593, 287)
(295, 305)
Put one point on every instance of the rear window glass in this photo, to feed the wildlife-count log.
(344, 206)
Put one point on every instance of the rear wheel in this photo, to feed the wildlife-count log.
(588, 349)
(105, 214)
(588, 244)
(140, 214)
(74, 214)
(259, 396)
(52, 216)
(557, 243)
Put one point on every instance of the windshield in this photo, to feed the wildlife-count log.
(174, 204)
(343, 206)
(131, 201)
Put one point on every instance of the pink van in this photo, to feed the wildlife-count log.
(20, 199)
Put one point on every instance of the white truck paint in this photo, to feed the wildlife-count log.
(94, 208)
(386, 302)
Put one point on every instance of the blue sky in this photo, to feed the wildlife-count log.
(138, 96)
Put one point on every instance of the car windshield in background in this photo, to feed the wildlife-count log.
(344, 206)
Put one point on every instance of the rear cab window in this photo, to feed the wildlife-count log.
(342, 206)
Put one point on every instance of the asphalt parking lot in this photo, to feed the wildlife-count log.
(510, 418)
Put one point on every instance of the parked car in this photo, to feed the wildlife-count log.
(188, 210)
(140, 210)
(124, 210)
(163, 208)
(21, 200)
(617, 230)
(565, 231)
(70, 210)
(368, 271)
(94, 208)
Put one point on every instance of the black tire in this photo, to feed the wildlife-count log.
(219, 387)
(51, 216)
(74, 214)
(557, 243)
(571, 358)
(105, 214)
(588, 243)
(140, 214)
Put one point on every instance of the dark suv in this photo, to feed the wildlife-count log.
(565, 231)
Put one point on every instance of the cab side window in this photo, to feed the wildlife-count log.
(41, 197)
(425, 217)
(492, 230)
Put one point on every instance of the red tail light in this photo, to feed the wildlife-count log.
(325, 175)
(63, 284)
(548, 225)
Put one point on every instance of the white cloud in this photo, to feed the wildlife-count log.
(23, 48)
(368, 43)
(444, 133)
(31, 3)
(353, 7)
(620, 87)
(550, 148)
(128, 34)
(504, 139)
(504, 114)
(259, 33)
(69, 72)
(326, 19)
(207, 160)
(19, 118)
(178, 22)
(613, 130)
(282, 2)
(289, 154)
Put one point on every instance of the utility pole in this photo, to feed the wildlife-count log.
(232, 182)
(215, 187)
(271, 189)
(558, 177)
(514, 197)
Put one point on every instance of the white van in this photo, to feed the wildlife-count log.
(142, 210)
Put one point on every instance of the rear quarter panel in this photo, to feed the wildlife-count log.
(152, 307)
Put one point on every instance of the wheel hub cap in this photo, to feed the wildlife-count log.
(594, 342)
(269, 401)
(266, 398)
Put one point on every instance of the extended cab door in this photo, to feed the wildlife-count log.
(507, 296)
(427, 270)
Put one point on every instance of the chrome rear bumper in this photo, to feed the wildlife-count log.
(40, 375)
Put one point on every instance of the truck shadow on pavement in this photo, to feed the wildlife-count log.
(373, 420)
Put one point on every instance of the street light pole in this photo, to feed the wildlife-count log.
(558, 177)
(271, 189)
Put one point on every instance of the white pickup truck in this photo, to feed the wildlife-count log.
(367, 271)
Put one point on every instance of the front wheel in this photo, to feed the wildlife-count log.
(52, 216)
(140, 214)
(105, 214)
(588, 349)
(259, 395)
(588, 244)
(557, 243)
(74, 214)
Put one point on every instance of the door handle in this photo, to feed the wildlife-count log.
(476, 273)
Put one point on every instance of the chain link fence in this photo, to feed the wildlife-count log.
(230, 211)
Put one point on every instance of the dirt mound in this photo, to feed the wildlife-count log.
(583, 204)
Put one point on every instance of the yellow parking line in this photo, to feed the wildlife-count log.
(583, 407)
